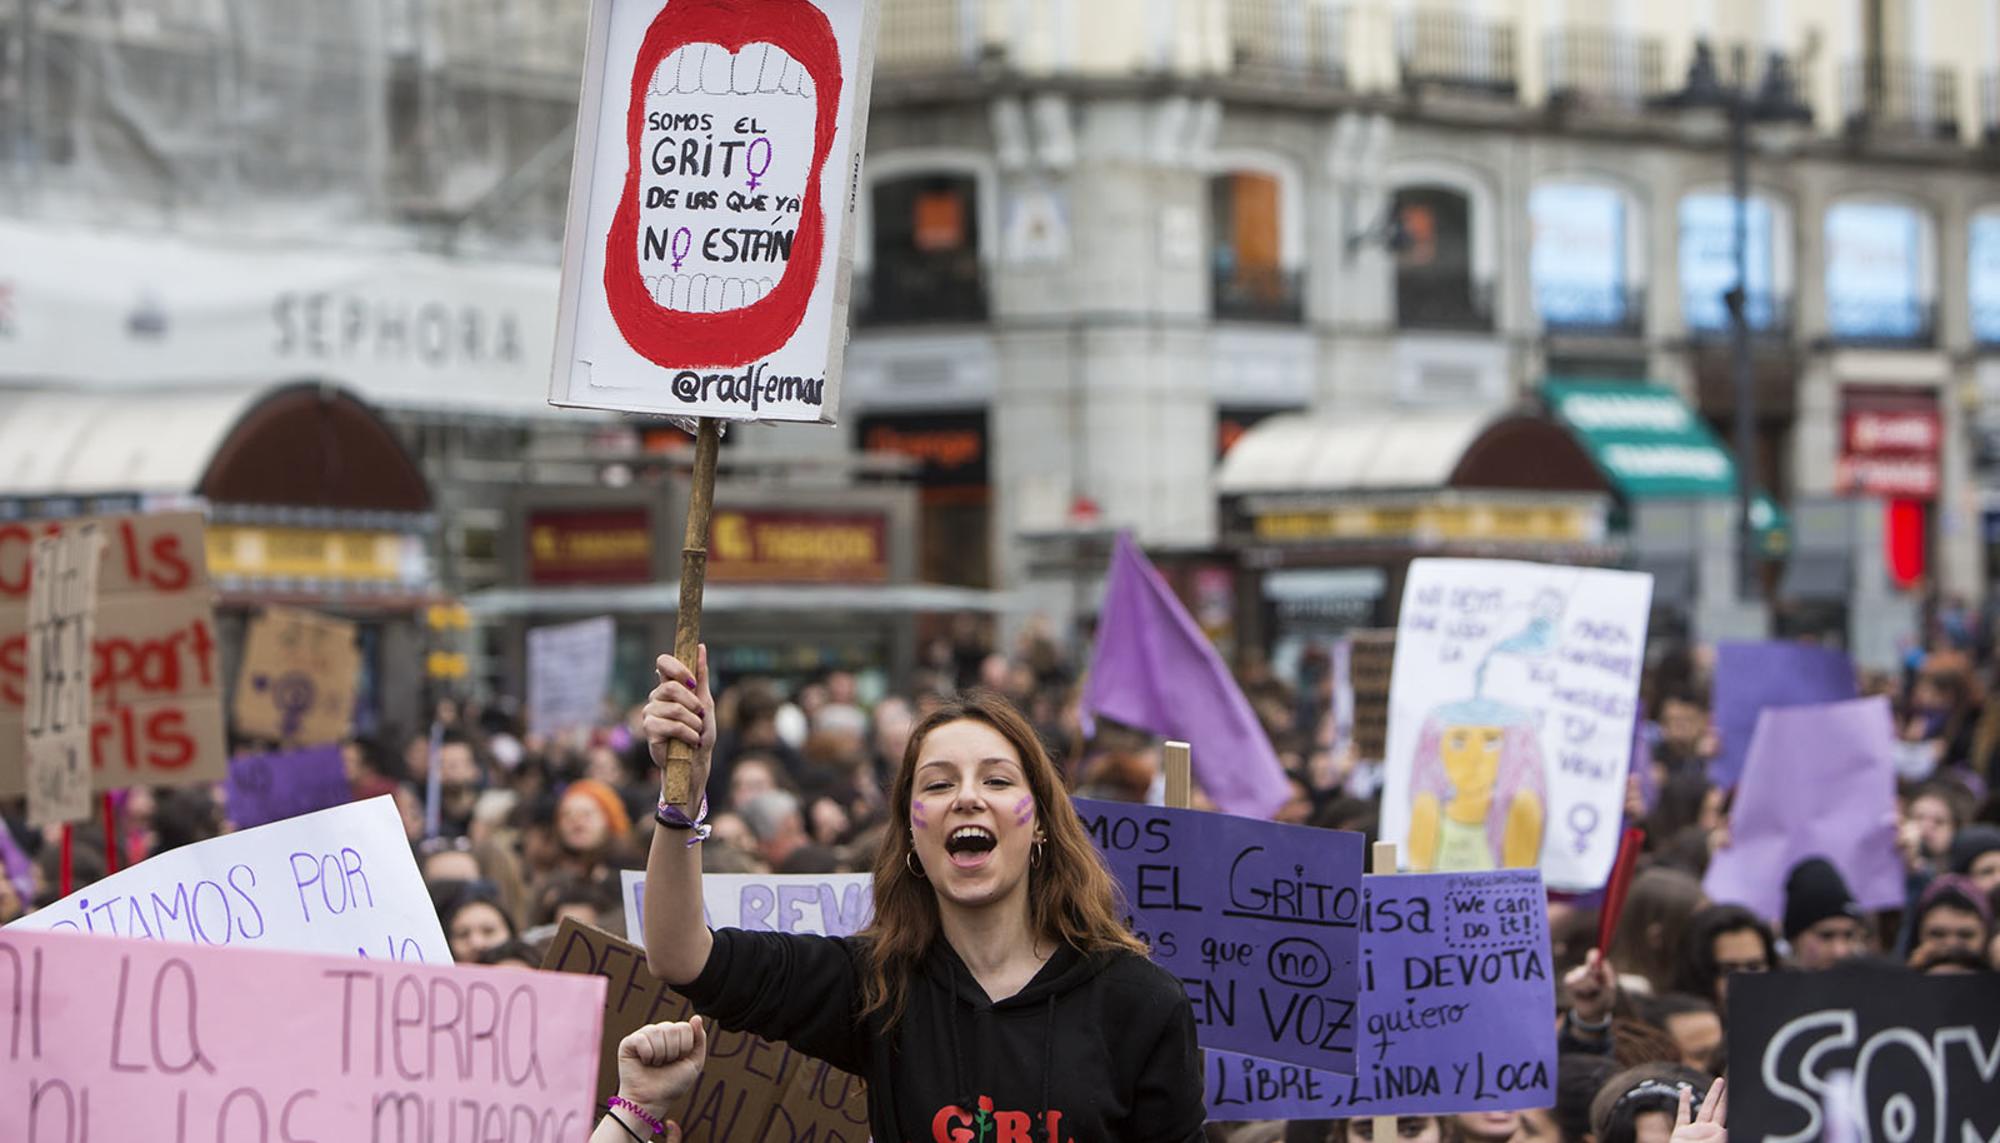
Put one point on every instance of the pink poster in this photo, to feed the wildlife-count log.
(113, 1039)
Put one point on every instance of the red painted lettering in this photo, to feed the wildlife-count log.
(1012, 1126)
(171, 571)
(950, 1125)
(170, 745)
(21, 537)
(14, 669)
(128, 542)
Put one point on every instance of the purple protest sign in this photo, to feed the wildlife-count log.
(272, 787)
(1457, 1009)
(1820, 781)
(1260, 921)
(1750, 677)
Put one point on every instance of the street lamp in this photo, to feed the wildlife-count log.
(1774, 101)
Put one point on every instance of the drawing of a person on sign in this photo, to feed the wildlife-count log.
(1479, 795)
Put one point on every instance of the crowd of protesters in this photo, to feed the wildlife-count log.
(534, 829)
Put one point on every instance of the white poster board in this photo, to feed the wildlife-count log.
(62, 623)
(710, 233)
(569, 673)
(1511, 707)
(340, 881)
(826, 904)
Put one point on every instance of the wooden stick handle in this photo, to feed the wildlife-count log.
(1178, 761)
(676, 778)
(1383, 861)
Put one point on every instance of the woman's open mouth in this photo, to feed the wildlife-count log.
(969, 847)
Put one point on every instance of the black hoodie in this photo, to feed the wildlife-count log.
(1096, 1048)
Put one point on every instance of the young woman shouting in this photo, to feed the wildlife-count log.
(995, 997)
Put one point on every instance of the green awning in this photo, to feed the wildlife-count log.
(1645, 440)
(1651, 446)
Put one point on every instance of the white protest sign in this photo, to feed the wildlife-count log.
(1511, 707)
(340, 881)
(569, 673)
(826, 904)
(710, 232)
(62, 621)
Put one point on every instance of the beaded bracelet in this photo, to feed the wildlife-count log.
(670, 815)
(646, 1117)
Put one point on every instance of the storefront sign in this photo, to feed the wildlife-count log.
(1890, 443)
(1433, 523)
(951, 447)
(340, 555)
(756, 546)
(610, 545)
(156, 686)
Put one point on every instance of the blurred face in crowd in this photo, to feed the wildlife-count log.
(751, 777)
(731, 829)
(893, 723)
(1946, 929)
(1932, 819)
(582, 912)
(1409, 1129)
(1828, 943)
(1652, 1127)
(1472, 760)
(1985, 871)
(456, 765)
(451, 865)
(474, 929)
(581, 825)
(1489, 1125)
(605, 766)
(1539, 1123)
(1697, 1034)
(1739, 951)
(1682, 724)
(829, 821)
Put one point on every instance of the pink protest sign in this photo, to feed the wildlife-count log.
(114, 1039)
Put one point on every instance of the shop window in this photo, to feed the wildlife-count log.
(1983, 278)
(1582, 277)
(1435, 284)
(1708, 263)
(1878, 280)
(926, 266)
(1251, 281)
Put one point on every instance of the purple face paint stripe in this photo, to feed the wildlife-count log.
(1024, 811)
(917, 815)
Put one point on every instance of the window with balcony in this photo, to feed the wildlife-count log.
(1880, 285)
(1584, 265)
(1708, 263)
(925, 266)
(1436, 287)
(1982, 284)
(1252, 278)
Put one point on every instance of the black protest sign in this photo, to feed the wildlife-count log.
(751, 1090)
(1915, 1058)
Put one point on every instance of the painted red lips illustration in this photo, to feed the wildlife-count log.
(701, 286)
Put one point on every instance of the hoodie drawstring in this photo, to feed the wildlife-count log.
(1048, 1065)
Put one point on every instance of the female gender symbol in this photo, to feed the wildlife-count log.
(1583, 819)
(750, 161)
(683, 242)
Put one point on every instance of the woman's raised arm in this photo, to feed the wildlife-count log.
(677, 936)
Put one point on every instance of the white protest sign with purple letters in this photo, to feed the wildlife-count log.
(1511, 707)
(340, 881)
(825, 904)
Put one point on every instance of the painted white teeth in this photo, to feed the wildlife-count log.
(698, 69)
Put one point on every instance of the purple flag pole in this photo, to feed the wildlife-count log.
(1153, 669)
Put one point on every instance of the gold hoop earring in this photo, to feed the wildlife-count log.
(1035, 855)
(910, 863)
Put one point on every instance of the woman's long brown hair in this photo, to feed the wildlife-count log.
(1071, 897)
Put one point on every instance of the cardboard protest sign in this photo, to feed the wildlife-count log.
(1457, 1009)
(1510, 717)
(1820, 781)
(1259, 920)
(825, 904)
(272, 787)
(1923, 1054)
(62, 614)
(112, 1039)
(340, 881)
(299, 676)
(569, 673)
(710, 233)
(751, 1090)
(155, 679)
(1753, 677)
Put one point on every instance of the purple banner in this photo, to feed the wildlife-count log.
(1457, 1010)
(1752, 676)
(1260, 921)
(272, 787)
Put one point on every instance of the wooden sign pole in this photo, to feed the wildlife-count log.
(1383, 862)
(1178, 762)
(675, 777)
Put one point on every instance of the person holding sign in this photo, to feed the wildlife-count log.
(657, 1064)
(995, 997)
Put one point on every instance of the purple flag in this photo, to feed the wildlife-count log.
(1752, 676)
(1820, 781)
(1153, 669)
(272, 787)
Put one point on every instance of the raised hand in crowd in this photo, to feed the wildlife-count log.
(657, 1064)
(1592, 988)
(1708, 1125)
